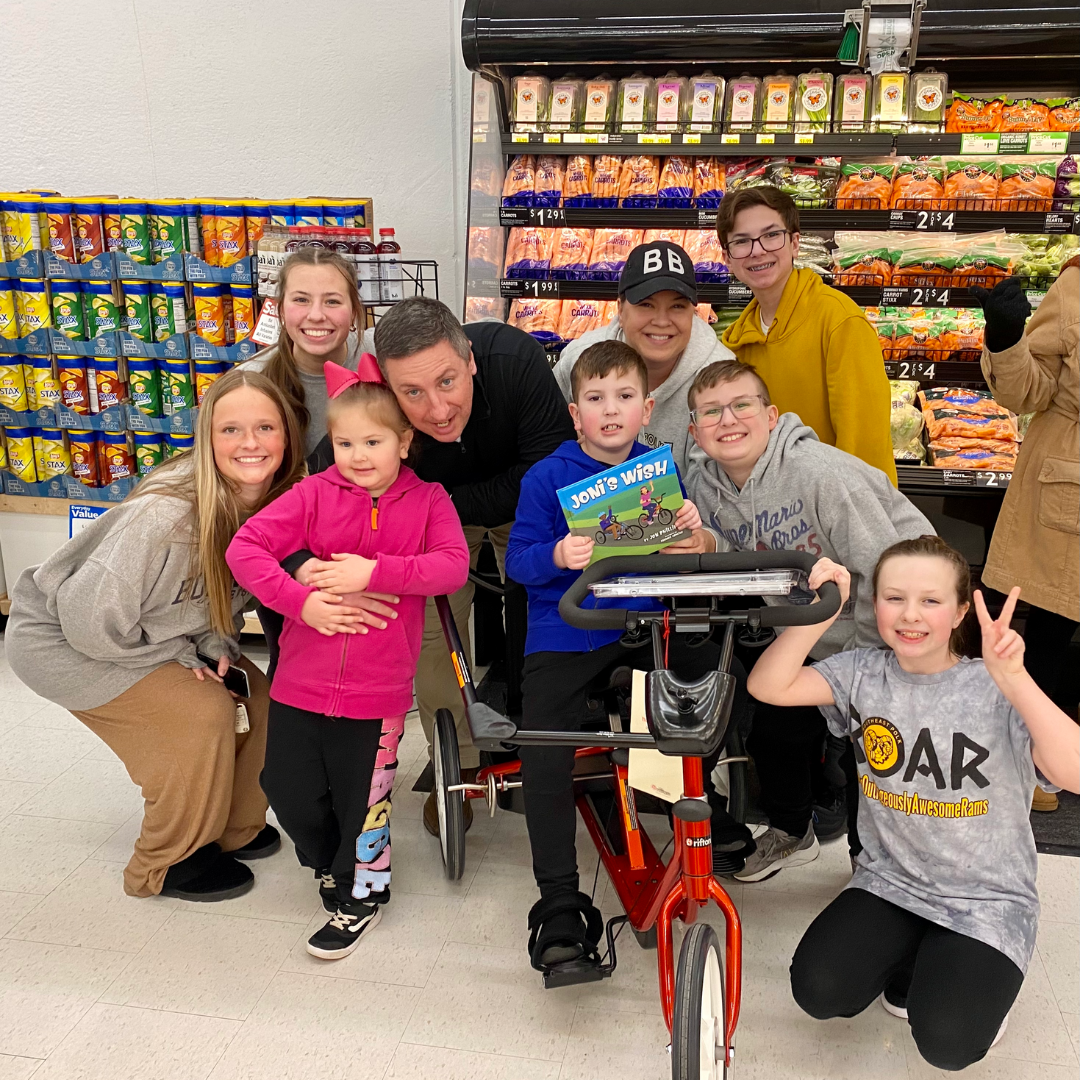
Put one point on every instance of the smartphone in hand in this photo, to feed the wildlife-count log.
(235, 678)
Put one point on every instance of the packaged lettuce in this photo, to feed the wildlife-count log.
(813, 100)
(906, 425)
(928, 91)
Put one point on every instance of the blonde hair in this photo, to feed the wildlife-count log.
(214, 499)
(281, 364)
(379, 402)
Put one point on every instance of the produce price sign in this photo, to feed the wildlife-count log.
(1062, 223)
(927, 220)
(542, 216)
(893, 296)
(542, 290)
(984, 478)
(706, 219)
(911, 369)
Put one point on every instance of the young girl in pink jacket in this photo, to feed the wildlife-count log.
(339, 697)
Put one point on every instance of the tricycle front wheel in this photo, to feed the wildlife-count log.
(697, 1029)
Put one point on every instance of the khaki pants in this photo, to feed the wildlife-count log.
(200, 780)
(436, 684)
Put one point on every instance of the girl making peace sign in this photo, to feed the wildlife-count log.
(940, 916)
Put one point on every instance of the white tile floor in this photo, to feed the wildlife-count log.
(95, 985)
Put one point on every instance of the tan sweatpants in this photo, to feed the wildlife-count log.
(200, 780)
(436, 684)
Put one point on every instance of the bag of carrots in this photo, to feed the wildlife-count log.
(537, 317)
(710, 181)
(639, 181)
(961, 333)
(971, 458)
(933, 267)
(918, 185)
(973, 115)
(1027, 184)
(1064, 114)
(977, 402)
(917, 337)
(577, 180)
(672, 236)
(965, 425)
(1025, 114)
(605, 181)
(677, 182)
(970, 184)
(865, 186)
(520, 181)
(872, 267)
(571, 253)
(579, 317)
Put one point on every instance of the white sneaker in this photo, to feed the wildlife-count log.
(777, 850)
(1001, 1032)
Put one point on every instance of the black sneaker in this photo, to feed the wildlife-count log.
(327, 890)
(831, 822)
(342, 934)
(208, 875)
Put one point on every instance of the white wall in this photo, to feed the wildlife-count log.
(257, 98)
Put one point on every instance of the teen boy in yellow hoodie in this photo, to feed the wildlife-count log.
(812, 344)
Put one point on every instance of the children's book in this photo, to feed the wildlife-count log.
(627, 509)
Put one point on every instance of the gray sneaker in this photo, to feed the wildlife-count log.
(777, 850)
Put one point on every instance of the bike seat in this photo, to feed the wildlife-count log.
(688, 719)
(490, 729)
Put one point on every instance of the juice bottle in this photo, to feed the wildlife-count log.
(391, 285)
(367, 267)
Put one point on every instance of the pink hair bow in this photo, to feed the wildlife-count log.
(339, 378)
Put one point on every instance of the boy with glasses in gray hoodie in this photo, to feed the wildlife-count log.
(768, 483)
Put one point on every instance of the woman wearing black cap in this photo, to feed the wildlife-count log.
(657, 294)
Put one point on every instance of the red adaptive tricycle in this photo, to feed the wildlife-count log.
(688, 720)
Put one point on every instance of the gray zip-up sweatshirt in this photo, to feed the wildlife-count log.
(806, 496)
(116, 602)
(670, 418)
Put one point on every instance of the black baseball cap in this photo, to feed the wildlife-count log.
(656, 267)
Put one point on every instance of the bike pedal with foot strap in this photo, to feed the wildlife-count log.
(576, 972)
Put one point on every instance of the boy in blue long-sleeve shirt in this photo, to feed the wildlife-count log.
(610, 404)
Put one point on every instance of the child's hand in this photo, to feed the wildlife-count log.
(344, 574)
(700, 542)
(305, 570)
(687, 516)
(827, 570)
(573, 552)
(1002, 647)
(326, 613)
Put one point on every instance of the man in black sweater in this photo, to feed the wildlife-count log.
(486, 408)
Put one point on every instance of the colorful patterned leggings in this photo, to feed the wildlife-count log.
(329, 781)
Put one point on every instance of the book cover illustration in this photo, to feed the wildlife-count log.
(627, 509)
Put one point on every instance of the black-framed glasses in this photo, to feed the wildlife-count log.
(770, 241)
(741, 409)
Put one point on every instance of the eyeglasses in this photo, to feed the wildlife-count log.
(770, 241)
(741, 409)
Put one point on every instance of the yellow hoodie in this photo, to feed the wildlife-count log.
(821, 359)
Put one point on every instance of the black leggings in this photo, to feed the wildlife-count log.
(959, 990)
(555, 690)
(329, 781)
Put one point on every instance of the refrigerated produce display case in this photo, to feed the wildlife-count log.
(913, 187)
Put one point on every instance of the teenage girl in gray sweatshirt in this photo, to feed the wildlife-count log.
(133, 623)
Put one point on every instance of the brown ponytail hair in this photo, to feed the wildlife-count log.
(935, 547)
(216, 508)
(281, 364)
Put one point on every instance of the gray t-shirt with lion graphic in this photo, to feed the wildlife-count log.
(946, 772)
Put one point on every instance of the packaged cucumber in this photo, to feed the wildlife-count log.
(813, 101)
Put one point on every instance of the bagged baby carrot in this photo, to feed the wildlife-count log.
(970, 184)
(703, 247)
(537, 317)
(579, 317)
(676, 182)
(1064, 114)
(520, 181)
(918, 185)
(528, 252)
(710, 181)
(570, 254)
(605, 181)
(577, 180)
(611, 247)
(672, 236)
(1025, 114)
(1027, 184)
(865, 186)
(639, 181)
(548, 186)
(975, 115)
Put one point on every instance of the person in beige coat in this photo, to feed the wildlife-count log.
(1036, 542)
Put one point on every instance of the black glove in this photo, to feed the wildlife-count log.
(1007, 310)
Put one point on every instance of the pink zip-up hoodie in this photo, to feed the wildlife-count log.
(414, 535)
